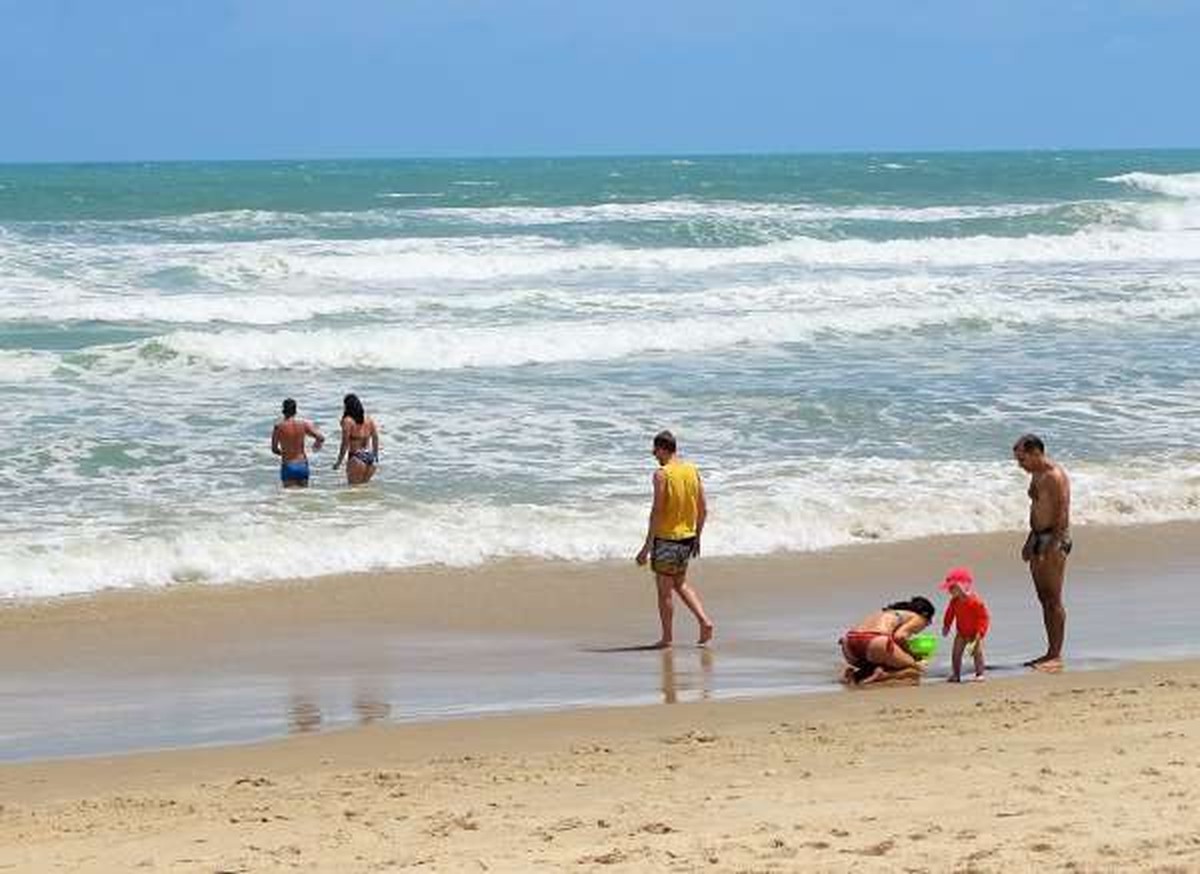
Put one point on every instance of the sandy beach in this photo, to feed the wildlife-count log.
(1089, 770)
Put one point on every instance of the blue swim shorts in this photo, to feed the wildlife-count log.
(293, 472)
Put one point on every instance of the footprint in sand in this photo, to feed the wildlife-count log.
(657, 828)
(612, 857)
(880, 849)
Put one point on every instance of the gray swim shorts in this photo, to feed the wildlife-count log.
(671, 557)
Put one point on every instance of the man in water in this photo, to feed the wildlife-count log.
(287, 441)
(1049, 541)
(677, 516)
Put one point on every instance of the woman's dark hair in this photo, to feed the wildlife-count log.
(352, 407)
(918, 604)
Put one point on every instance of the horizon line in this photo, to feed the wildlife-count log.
(551, 156)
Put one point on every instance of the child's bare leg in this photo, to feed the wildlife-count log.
(960, 643)
(980, 662)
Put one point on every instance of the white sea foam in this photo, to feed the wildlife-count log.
(401, 347)
(36, 264)
(55, 303)
(270, 222)
(1181, 185)
(246, 309)
(283, 281)
(832, 503)
(732, 211)
(493, 258)
(21, 366)
(1181, 212)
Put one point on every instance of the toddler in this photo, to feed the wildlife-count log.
(969, 614)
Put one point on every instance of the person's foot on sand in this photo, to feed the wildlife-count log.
(879, 674)
(954, 678)
(1033, 663)
(1048, 665)
(706, 634)
(978, 678)
(850, 676)
(661, 644)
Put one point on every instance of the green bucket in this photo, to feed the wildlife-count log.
(922, 646)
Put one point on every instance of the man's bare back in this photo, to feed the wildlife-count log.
(287, 441)
(290, 437)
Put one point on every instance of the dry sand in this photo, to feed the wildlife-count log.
(1089, 772)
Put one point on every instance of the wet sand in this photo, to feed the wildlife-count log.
(127, 670)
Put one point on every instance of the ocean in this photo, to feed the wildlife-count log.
(846, 344)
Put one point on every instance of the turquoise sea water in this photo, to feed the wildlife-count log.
(848, 345)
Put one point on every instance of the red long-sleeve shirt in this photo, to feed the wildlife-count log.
(971, 615)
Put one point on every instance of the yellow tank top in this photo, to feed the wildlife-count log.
(681, 492)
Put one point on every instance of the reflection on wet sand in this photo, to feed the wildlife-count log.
(303, 714)
(695, 675)
(368, 705)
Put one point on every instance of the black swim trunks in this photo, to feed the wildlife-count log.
(1040, 542)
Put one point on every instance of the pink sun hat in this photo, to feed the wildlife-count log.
(958, 576)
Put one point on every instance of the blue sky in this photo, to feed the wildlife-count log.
(145, 79)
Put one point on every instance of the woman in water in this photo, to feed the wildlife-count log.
(358, 431)
(877, 648)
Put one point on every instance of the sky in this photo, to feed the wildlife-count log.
(196, 79)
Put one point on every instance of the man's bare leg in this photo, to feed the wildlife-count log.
(666, 608)
(1048, 572)
(692, 599)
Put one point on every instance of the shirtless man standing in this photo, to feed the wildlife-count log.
(1049, 541)
(287, 441)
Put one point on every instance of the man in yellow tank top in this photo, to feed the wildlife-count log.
(677, 517)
